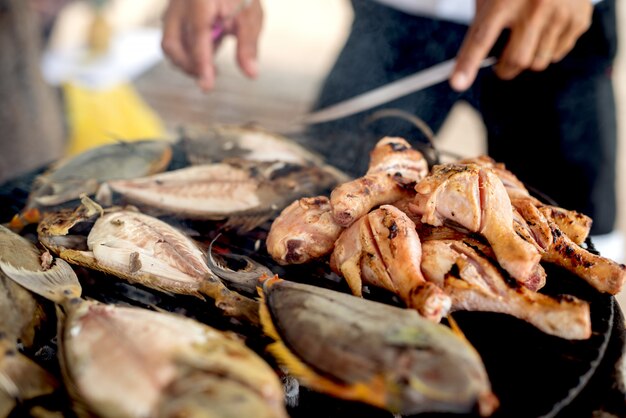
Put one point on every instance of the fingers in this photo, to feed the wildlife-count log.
(542, 32)
(204, 14)
(522, 47)
(548, 42)
(172, 42)
(248, 31)
(481, 37)
(574, 30)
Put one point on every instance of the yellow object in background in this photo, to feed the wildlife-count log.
(102, 116)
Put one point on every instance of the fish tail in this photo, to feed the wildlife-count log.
(245, 279)
(231, 303)
(58, 284)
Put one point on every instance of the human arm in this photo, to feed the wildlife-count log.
(542, 32)
(188, 35)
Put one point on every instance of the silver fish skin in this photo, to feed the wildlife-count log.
(70, 178)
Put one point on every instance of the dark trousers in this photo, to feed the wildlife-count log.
(555, 129)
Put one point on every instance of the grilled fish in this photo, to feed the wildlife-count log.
(20, 316)
(68, 179)
(370, 352)
(245, 192)
(131, 362)
(220, 142)
(140, 249)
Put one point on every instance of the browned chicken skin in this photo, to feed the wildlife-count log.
(475, 198)
(304, 231)
(394, 169)
(474, 284)
(558, 248)
(574, 224)
(382, 249)
(602, 273)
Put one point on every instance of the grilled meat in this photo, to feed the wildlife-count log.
(475, 198)
(538, 226)
(602, 273)
(394, 169)
(575, 225)
(304, 231)
(474, 284)
(383, 249)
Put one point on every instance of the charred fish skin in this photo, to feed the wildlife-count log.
(371, 352)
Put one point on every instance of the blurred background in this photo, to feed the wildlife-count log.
(104, 60)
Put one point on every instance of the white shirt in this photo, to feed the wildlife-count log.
(460, 11)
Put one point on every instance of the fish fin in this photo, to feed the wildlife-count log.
(21, 378)
(58, 284)
(245, 279)
(456, 328)
(373, 392)
(91, 206)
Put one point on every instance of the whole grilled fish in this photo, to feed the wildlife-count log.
(140, 249)
(70, 178)
(245, 192)
(131, 362)
(20, 316)
(370, 352)
(220, 142)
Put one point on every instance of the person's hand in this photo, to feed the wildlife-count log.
(542, 32)
(188, 41)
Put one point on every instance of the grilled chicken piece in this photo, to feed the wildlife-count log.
(574, 224)
(305, 230)
(474, 284)
(382, 249)
(431, 233)
(529, 218)
(394, 169)
(556, 247)
(602, 273)
(475, 198)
